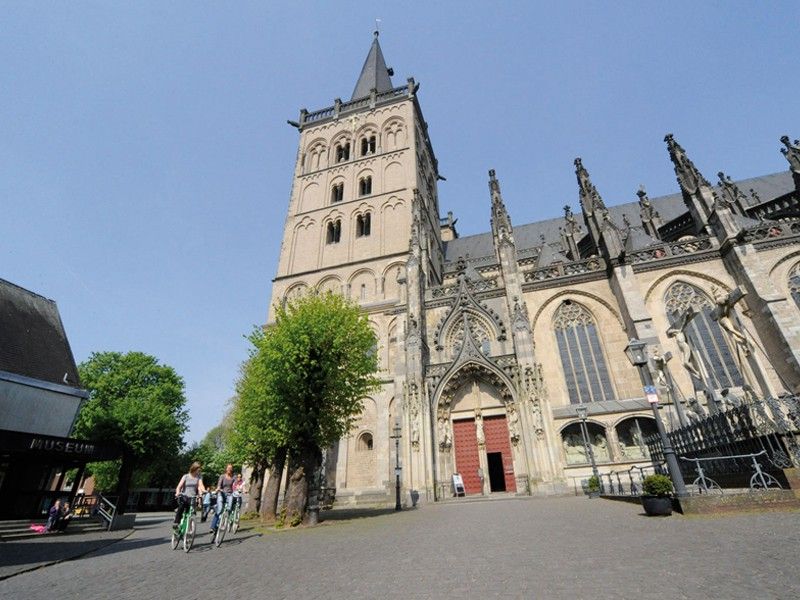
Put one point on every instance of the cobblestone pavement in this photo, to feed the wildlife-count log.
(526, 548)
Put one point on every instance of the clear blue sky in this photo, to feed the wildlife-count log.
(145, 160)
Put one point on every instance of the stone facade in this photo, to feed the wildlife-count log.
(500, 336)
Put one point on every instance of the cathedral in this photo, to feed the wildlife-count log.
(502, 355)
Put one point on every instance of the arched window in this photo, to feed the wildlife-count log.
(342, 151)
(574, 444)
(368, 145)
(365, 186)
(363, 225)
(334, 232)
(337, 192)
(631, 434)
(794, 283)
(364, 442)
(581, 355)
(704, 335)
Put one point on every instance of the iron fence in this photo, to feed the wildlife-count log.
(727, 440)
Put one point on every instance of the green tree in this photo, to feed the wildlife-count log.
(137, 403)
(303, 386)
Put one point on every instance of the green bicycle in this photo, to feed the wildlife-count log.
(186, 529)
(228, 521)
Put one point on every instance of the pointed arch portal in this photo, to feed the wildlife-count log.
(473, 403)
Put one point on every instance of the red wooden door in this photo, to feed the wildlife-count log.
(467, 462)
(495, 430)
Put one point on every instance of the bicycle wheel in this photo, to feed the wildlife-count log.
(188, 537)
(176, 538)
(222, 527)
(236, 521)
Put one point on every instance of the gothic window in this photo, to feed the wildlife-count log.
(794, 284)
(581, 355)
(337, 192)
(365, 186)
(334, 234)
(368, 145)
(363, 224)
(364, 443)
(363, 295)
(704, 334)
(342, 151)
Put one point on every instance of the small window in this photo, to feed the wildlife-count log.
(363, 225)
(342, 152)
(334, 232)
(363, 291)
(364, 442)
(368, 145)
(337, 192)
(365, 186)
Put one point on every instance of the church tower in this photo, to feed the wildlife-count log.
(360, 164)
(363, 221)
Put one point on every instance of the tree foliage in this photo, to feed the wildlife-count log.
(135, 402)
(303, 384)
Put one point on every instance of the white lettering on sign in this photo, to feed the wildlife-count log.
(60, 446)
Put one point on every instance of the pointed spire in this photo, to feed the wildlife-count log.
(501, 222)
(374, 74)
(569, 234)
(689, 178)
(590, 198)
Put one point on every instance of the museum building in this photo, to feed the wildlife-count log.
(490, 344)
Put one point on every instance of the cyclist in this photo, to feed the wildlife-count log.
(187, 490)
(224, 496)
(238, 490)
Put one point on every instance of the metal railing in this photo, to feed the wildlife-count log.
(760, 480)
(106, 509)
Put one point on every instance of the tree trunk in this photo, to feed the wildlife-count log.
(269, 503)
(303, 477)
(125, 476)
(256, 485)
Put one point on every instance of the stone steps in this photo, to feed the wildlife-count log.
(21, 529)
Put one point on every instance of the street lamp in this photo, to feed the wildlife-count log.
(637, 354)
(582, 412)
(396, 437)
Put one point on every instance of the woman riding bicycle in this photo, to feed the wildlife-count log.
(224, 496)
(188, 488)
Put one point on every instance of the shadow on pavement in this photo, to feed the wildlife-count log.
(348, 514)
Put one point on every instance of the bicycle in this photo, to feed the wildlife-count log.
(186, 529)
(228, 521)
(237, 508)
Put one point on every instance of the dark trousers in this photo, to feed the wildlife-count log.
(184, 504)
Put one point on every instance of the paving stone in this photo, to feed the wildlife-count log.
(514, 548)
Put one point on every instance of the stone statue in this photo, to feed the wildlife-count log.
(688, 356)
(660, 364)
(445, 441)
(600, 446)
(724, 315)
(792, 153)
(414, 430)
(481, 437)
(513, 424)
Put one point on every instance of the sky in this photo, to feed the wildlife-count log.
(146, 163)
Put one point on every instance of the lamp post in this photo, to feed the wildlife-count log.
(582, 412)
(397, 431)
(637, 354)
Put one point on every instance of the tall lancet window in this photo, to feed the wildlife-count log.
(581, 354)
(704, 334)
(794, 283)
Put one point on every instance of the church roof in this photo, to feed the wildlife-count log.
(32, 338)
(374, 73)
(529, 236)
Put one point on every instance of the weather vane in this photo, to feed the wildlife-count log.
(377, 26)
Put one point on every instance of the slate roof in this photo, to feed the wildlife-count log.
(32, 338)
(374, 73)
(767, 187)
